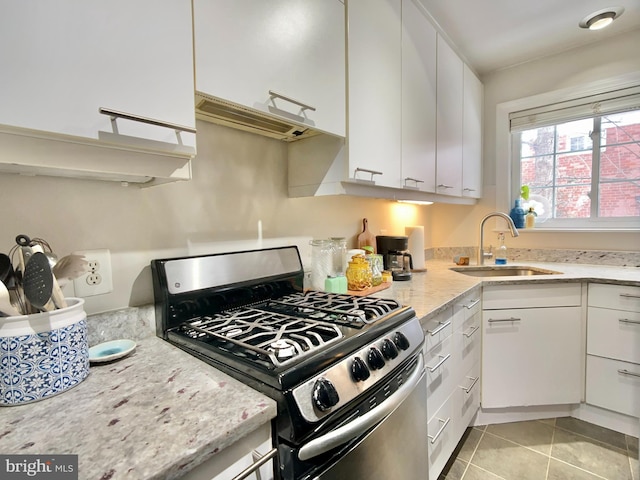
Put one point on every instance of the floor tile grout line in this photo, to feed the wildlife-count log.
(473, 453)
(580, 468)
(553, 435)
(519, 444)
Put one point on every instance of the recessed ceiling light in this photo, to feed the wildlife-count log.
(601, 18)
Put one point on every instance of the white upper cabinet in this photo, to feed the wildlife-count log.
(62, 61)
(418, 99)
(449, 121)
(375, 85)
(472, 135)
(278, 57)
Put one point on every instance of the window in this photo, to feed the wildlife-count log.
(581, 169)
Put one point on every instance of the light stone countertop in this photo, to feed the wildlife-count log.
(154, 414)
(432, 291)
(160, 412)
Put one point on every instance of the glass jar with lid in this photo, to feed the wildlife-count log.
(339, 253)
(376, 264)
(321, 263)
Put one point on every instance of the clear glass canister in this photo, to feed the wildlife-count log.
(359, 275)
(321, 263)
(375, 261)
(339, 253)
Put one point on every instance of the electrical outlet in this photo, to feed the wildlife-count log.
(98, 279)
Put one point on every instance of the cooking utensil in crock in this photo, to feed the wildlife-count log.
(70, 267)
(7, 275)
(38, 282)
(5, 302)
(56, 294)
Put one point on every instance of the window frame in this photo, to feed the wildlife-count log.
(507, 168)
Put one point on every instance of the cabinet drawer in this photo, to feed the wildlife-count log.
(613, 385)
(442, 439)
(466, 400)
(466, 308)
(614, 334)
(619, 297)
(467, 345)
(437, 328)
(440, 374)
(531, 296)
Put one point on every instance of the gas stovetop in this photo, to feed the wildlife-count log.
(279, 331)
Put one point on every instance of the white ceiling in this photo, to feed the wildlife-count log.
(494, 34)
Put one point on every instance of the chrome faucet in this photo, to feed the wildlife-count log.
(514, 233)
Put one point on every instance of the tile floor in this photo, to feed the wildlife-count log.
(554, 449)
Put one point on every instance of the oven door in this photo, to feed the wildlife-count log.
(396, 447)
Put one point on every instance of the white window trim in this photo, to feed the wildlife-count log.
(503, 147)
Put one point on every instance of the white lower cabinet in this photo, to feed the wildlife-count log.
(452, 352)
(532, 355)
(227, 464)
(613, 353)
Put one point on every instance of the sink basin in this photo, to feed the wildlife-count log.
(507, 271)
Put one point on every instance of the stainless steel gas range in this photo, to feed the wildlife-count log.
(347, 372)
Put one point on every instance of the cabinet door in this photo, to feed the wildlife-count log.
(472, 135)
(418, 99)
(375, 100)
(295, 48)
(449, 121)
(531, 357)
(70, 57)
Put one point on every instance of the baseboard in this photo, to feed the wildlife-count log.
(588, 413)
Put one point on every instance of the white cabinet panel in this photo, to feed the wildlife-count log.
(292, 47)
(227, 464)
(442, 438)
(527, 296)
(418, 99)
(618, 297)
(70, 57)
(449, 121)
(440, 368)
(614, 334)
(472, 135)
(531, 357)
(374, 53)
(613, 385)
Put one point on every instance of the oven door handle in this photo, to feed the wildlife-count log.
(361, 424)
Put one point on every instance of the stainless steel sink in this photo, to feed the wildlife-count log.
(508, 271)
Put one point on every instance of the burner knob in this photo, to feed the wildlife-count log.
(389, 349)
(359, 370)
(401, 341)
(375, 359)
(324, 394)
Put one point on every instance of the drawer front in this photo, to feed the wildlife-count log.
(466, 399)
(466, 308)
(467, 344)
(613, 385)
(618, 297)
(440, 371)
(532, 295)
(442, 440)
(438, 328)
(614, 334)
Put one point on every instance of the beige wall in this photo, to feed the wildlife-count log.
(238, 180)
(594, 63)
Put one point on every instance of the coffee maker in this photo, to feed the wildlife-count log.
(395, 256)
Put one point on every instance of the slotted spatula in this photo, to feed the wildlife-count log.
(38, 282)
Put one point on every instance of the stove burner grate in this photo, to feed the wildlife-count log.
(263, 335)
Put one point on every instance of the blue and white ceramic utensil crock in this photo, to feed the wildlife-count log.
(44, 354)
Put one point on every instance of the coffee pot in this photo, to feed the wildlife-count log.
(396, 256)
